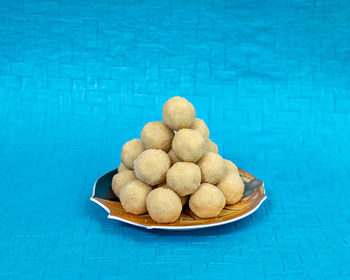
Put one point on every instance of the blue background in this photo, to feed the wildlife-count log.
(79, 78)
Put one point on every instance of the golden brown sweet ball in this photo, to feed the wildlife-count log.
(156, 135)
(230, 167)
(151, 166)
(178, 113)
(120, 179)
(207, 201)
(212, 147)
(188, 145)
(232, 187)
(212, 167)
(133, 197)
(183, 198)
(122, 167)
(163, 205)
(173, 157)
(200, 125)
(184, 178)
(130, 152)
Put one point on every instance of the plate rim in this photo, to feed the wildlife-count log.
(174, 228)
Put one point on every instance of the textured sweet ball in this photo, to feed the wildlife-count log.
(163, 205)
(183, 198)
(232, 187)
(178, 113)
(130, 152)
(188, 145)
(133, 197)
(200, 125)
(156, 135)
(207, 201)
(184, 178)
(173, 157)
(212, 168)
(120, 179)
(212, 147)
(122, 167)
(151, 166)
(230, 167)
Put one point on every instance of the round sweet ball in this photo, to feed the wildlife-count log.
(212, 167)
(212, 147)
(130, 152)
(133, 197)
(182, 198)
(230, 167)
(122, 167)
(151, 166)
(207, 201)
(200, 125)
(184, 178)
(232, 187)
(163, 205)
(156, 135)
(120, 179)
(188, 145)
(173, 157)
(178, 113)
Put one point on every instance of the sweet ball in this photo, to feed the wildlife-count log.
(133, 197)
(207, 201)
(184, 178)
(173, 157)
(230, 167)
(120, 179)
(151, 166)
(212, 147)
(232, 187)
(188, 145)
(212, 168)
(156, 135)
(178, 113)
(130, 152)
(200, 125)
(182, 198)
(122, 167)
(163, 205)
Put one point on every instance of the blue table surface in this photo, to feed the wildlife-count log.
(80, 78)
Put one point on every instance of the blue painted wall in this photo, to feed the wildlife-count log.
(79, 78)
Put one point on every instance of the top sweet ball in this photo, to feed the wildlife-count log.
(178, 113)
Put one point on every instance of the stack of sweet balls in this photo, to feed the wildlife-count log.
(175, 161)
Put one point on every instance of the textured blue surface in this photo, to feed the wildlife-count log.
(79, 78)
